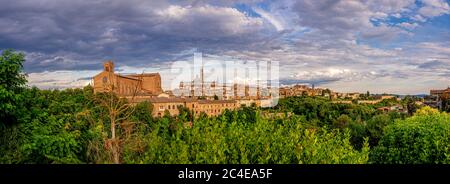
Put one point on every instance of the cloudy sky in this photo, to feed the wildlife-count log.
(393, 46)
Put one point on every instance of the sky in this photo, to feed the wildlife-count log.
(381, 46)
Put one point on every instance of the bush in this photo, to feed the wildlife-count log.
(421, 139)
(228, 139)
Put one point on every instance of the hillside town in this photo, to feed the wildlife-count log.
(147, 87)
(211, 101)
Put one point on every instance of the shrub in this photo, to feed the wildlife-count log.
(422, 138)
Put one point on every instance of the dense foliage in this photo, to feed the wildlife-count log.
(422, 139)
(362, 120)
(240, 137)
(12, 82)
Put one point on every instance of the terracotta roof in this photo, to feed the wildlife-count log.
(127, 77)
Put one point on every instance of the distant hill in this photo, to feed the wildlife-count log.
(416, 95)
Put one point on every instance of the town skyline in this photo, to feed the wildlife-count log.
(390, 46)
(166, 84)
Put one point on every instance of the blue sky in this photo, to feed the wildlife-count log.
(392, 46)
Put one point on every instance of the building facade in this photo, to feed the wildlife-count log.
(126, 85)
(301, 90)
(440, 92)
(161, 105)
(147, 87)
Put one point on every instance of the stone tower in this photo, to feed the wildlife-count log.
(108, 66)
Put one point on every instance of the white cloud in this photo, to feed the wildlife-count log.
(419, 18)
(439, 49)
(434, 8)
(397, 15)
(273, 20)
(345, 19)
(382, 32)
(408, 25)
(330, 73)
(206, 20)
(61, 79)
(390, 6)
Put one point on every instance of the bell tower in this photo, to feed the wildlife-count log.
(108, 66)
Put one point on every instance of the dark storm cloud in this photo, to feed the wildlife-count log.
(78, 35)
(435, 64)
(438, 67)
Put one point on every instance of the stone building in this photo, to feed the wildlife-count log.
(126, 85)
(436, 97)
(163, 104)
(302, 90)
(171, 105)
(213, 107)
(147, 87)
(440, 92)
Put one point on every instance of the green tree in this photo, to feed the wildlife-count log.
(420, 139)
(410, 103)
(342, 121)
(12, 83)
(375, 127)
(231, 138)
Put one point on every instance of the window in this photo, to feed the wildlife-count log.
(105, 79)
(169, 106)
(161, 107)
(173, 106)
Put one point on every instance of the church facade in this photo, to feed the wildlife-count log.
(126, 85)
